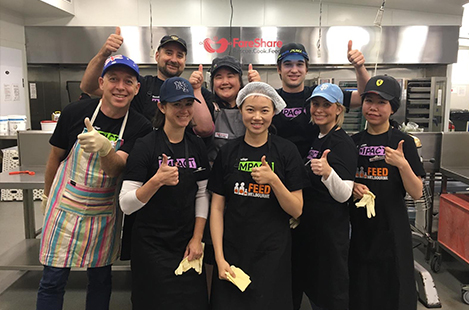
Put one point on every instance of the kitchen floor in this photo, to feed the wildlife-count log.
(18, 289)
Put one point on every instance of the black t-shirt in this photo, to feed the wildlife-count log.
(71, 124)
(371, 152)
(286, 160)
(294, 123)
(145, 102)
(144, 160)
(342, 158)
(168, 218)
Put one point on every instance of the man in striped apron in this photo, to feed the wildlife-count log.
(82, 223)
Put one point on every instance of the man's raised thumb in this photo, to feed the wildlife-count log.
(88, 124)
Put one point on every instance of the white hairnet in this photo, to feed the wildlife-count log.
(263, 90)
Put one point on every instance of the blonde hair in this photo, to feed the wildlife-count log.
(339, 120)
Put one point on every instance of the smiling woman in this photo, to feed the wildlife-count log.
(256, 183)
(164, 191)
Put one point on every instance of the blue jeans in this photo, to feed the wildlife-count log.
(50, 295)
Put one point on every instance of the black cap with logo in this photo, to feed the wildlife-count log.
(173, 38)
(385, 86)
(292, 49)
(226, 61)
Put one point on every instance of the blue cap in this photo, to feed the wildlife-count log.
(120, 60)
(330, 92)
(175, 89)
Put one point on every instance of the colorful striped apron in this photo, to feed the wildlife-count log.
(82, 224)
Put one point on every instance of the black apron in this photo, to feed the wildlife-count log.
(157, 249)
(257, 240)
(321, 244)
(381, 260)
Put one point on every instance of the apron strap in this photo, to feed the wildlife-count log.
(96, 111)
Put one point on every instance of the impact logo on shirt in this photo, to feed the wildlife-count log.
(312, 154)
(180, 162)
(155, 98)
(253, 190)
(371, 150)
(372, 173)
(293, 112)
(110, 136)
(246, 166)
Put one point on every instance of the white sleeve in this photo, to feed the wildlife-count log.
(128, 200)
(339, 189)
(202, 199)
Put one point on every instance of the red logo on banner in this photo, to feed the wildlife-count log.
(220, 46)
(209, 44)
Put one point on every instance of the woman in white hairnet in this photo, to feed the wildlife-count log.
(257, 183)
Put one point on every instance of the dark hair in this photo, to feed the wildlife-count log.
(215, 97)
(159, 118)
(393, 123)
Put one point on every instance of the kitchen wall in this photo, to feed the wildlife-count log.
(216, 13)
(460, 78)
(13, 69)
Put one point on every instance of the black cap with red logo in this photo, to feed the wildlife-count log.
(385, 86)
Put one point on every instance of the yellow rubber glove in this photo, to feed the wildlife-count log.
(43, 203)
(93, 141)
(368, 201)
(185, 264)
(242, 280)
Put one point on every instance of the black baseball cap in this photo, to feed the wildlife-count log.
(173, 38)
(292, 49)
(226, 61)
(385, 86)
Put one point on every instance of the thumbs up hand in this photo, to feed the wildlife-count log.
(197, 78)
(166, 174)
(320, 166)
(263, 174)
(253, 75)
(112, 44)
(93, 142)
(355, 57)
(396, 157)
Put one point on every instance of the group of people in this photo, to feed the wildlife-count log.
(271, 173)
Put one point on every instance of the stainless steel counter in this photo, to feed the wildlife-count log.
(455, 156)
(27, 183)
(457, 173)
